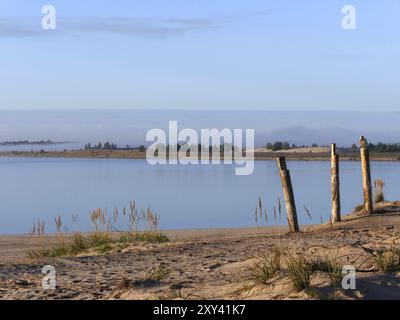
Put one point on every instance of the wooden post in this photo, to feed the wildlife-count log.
(366, 176)
(288, 195)
(335, 185)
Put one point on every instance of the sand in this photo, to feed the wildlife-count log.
(211, 264)
(297, 150)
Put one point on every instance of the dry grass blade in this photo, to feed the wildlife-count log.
(307, 212)
(379, 195)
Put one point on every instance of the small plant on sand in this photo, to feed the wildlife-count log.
(266, 267)
(174, 294)
(58, 251)
(55, 251)
(38, 230)
(158, 273)
(79, 243)
(36, 253)
(358, 207)
(151, 220)
(175, 291)
(379, 196)
(299, 271)
(98, 239)
(388, 261)
(106, 247)
(330, 266)
(335, 272)
(148, 237)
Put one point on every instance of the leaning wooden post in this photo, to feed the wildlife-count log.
(288, 195)
(366, 176)
(335, 185)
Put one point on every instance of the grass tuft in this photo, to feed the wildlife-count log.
(147, 236)
(299, 271)
(98, 239)
(330, 266)
(158, 273)
(266, 267)
(79, 243)
(388, 261)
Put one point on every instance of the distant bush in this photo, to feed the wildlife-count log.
(279, 145)
(384, 147)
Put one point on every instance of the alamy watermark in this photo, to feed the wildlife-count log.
(185, 147)
(49, 17)
(349, 278)
(49, 281)
(349, 20)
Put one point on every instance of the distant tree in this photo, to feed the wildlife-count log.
(142, 148)
(285, 145)
(277, 146)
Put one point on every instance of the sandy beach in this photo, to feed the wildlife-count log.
(214, 264)
(298, 154)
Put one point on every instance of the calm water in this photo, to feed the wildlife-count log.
(38, 147)
(184, 196)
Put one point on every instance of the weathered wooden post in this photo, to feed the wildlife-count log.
(335, 185)
(288, 195)
(366, 176)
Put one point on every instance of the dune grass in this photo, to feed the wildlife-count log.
(379, 195)
(266, 267)
(330, 266)
(388, 261)
(159, 273)
(299, 271)
(107, 232)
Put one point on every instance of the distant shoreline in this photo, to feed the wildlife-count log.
(135, 154)
(31, 143)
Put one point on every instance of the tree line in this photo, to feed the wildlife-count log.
(380, 147)
(284, 145)
(112, 146)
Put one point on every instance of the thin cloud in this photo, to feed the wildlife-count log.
(135, 27)
(18, 28)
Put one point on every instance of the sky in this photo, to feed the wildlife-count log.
(199, 55)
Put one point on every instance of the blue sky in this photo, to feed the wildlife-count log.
(208, 54)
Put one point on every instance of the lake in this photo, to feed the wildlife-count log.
(197, 196)
(45, 147)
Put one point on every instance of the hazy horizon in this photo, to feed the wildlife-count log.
(111, 73)
(130, 126)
